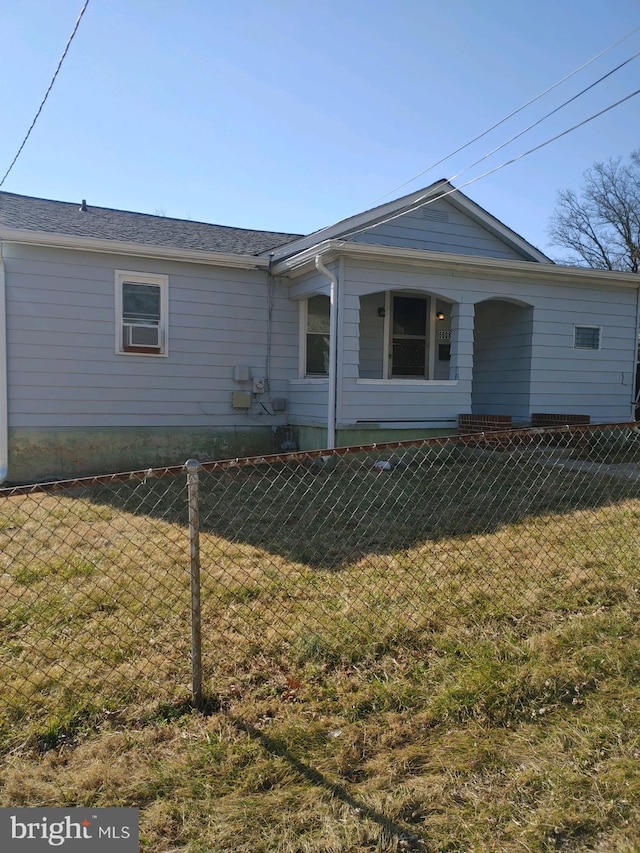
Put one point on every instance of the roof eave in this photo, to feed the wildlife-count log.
(141, 250)
(304, 262)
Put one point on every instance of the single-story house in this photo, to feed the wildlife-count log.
(129, 340)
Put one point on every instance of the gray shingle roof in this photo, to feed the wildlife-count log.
(58, 217)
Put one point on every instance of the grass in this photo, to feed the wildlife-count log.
(445, 658)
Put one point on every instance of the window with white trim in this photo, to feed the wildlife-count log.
(586, 337)
(142, 315)
(410, 337)
(317, 336)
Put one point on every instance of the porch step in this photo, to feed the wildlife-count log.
(544, 419)
(483, 423)
(562, 439)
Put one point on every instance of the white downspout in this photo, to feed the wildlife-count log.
(4, 409)
(333, 360)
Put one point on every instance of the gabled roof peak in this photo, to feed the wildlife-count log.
(348, 228)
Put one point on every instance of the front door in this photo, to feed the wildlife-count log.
(409, 356)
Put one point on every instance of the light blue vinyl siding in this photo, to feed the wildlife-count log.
(560, 378)
(502, 359)
(63, 368)
(308, 401)
(439, 227)
(308, 398)
(372, 348)
(406, 402)
(399, 401)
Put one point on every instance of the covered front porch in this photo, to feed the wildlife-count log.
(398, 363)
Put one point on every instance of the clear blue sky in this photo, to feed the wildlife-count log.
(292, 114)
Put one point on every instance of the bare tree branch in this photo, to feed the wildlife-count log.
(602, 225)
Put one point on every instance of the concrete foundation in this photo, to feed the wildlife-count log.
(57, 453)
(315, 437)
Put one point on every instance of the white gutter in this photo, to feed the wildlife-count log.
(333, 360)
(4, 409)
(121, 247)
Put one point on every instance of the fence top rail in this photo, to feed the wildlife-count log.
(478, 439)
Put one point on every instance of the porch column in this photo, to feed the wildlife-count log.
(462, 319)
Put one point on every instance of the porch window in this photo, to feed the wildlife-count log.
(317, 338)
(404, 336)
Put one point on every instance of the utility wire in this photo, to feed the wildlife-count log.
(511, 115)
(46, 95)
(420, 201)
(544, 117)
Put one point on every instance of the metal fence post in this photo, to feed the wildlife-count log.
(193, 466)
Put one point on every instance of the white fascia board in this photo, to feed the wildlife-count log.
(472, 264)
(140, 250)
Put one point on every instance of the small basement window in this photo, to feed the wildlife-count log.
(141, 313)
(586, 337)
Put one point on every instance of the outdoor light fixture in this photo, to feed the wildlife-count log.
(440, 315)
(382, 312)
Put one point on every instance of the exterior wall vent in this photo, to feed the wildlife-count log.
(434, 215)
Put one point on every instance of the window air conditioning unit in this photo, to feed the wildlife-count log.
(137, 335)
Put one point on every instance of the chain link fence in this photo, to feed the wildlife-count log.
(143, 588)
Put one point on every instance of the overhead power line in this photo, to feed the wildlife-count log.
(46, 94)
(424, 200)
(545, 117)
(511, 115)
